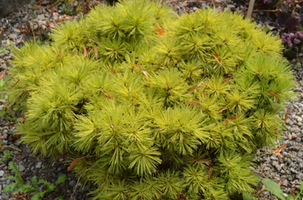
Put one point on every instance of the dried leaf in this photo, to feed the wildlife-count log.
(292, 192)
(145, 74)
(228, 79)
(214, 55)
(274, 94)
(210, 171)
(50, 24)
(180, 195)
(38, 2)
(194, 103)
(160, 31)
(107, 95)
(16, 137)
(221, 110)
(231, 118)
(203, 92)
(282, 182)
(195, 87)
(2, 34)
(53, 9)
(260, 192)
(73, 163)
(132, 64)
(195, 160)
(278, 150)
(17, 80)
(200, 160)
(23, 117)
(115, 71)
(295, 137)
(2, 74)
(12, 123)
(286, 115)
(17, 156)
(96, 52)
(85, 52)
(38, 7)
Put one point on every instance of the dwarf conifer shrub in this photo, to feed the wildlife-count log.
(154, 105)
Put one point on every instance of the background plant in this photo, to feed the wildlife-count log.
(30, 188)
(7, 155)
(276, 190)
(153, 105)
(289, 17)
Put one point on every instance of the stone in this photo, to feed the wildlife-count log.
(293, 170)
(274, 157)
(38, 165)
(276, 165)
(8, 6)
(1, 173)
(21, 167)
(72, 183)
(12, 36)
(40, 18)
(299, 176)
(5, 195)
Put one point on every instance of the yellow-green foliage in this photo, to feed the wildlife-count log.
(157, 103)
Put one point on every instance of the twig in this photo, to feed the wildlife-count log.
(250, 8)
(264, 11)
(79, 180)
(5, 146)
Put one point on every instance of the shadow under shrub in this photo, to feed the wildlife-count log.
(158, 106)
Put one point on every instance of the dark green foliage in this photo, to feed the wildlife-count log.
(161, 105)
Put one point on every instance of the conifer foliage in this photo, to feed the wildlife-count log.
(151, 104)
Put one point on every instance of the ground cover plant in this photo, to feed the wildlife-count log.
(289, 17)
(152, 105)
(276, 190)
(22, 190)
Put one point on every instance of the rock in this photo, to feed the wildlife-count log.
(8, 6)
(38, 165)
(72, 183)
(231, 7)
(40, 18)
(1, 173)
(293, 170)
(299, 176)
(12, 36)
(273, 157)
(285, 183)
(276, 165)
(21, 167)
(3, 137)
(5, 196)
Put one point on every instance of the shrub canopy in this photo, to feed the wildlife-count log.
(155, 105)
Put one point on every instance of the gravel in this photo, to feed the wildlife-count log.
(286, 170)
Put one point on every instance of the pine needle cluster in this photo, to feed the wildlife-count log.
(154, 105)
